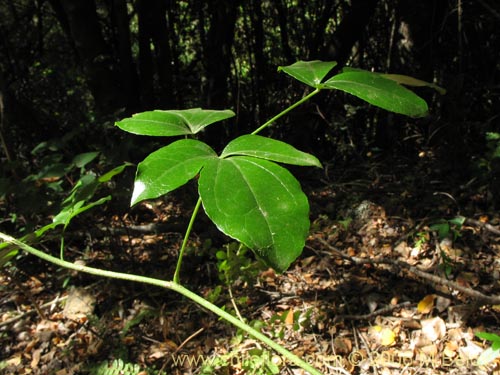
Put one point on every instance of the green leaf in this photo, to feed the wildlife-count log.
(81, 160)
(83, 190)
(7, 252)
(65, 216)
(172, 122)
(106, 177)
(260, 204)
(197, 118)
(442, 228)
(458, 221)
(169, 168)
(379, 91)
(309, 72)
(488, 336)
(269, 149)
(490, 136)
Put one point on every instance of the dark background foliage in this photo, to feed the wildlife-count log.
(69, 69)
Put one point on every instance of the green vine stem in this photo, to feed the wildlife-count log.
(296, 104)
(176, 278)
(168, 285)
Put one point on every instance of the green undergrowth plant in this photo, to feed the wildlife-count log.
(245, 190)
(79, 200)
(117, 367)
(491, 353)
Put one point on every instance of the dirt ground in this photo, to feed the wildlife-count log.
(390, 282)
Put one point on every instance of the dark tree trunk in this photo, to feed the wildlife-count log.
(95, 55)
(146, 72)
(318, 33)
(282, 10)
(217, 60)
(217, 50)
(260, 67)
(163, 54)
(153, 29)
(349, 31)
(128, 71)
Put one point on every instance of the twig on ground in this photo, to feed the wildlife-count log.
(58, 299)
(480, 224)
(431, 279)
(180, 347)
(373, 314)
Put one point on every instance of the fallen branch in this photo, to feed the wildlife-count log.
(373, 314)
(480, 224)
(25, 314)
(430, 278)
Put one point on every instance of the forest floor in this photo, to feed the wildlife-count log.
(390, 282)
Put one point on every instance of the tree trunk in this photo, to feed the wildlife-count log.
(282, 10)
(163, 54)
(260, 67)
(96, 57)
(145, 56)
(217, 60)
(128, 71)
(349, 31)
(217, 48)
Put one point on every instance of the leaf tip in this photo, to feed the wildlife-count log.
(139, 188)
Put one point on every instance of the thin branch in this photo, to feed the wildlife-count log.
(429, 278)
(480, 224)
(373, 314)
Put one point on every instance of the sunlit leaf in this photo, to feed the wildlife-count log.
(169, 168)
(269, 149)
(260, 204)
(172, 122)
(309, 72)
(197, 118)
(379, 91)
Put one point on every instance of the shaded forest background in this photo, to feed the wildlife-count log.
(70, 69)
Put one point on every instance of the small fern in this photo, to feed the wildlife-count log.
(117, 367)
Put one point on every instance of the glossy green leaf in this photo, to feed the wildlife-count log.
(309, 72)
(197, 118)
(379, 91)
(260, 204)
(156, 123)
(169, 168)
(269, 149)
(172, 122)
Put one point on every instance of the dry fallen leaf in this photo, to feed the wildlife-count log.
(426, 305)
(382, 335)
(289, 317)
(433, 328)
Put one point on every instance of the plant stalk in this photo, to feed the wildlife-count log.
(296, 104)
(176, 278)
(168, 285)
